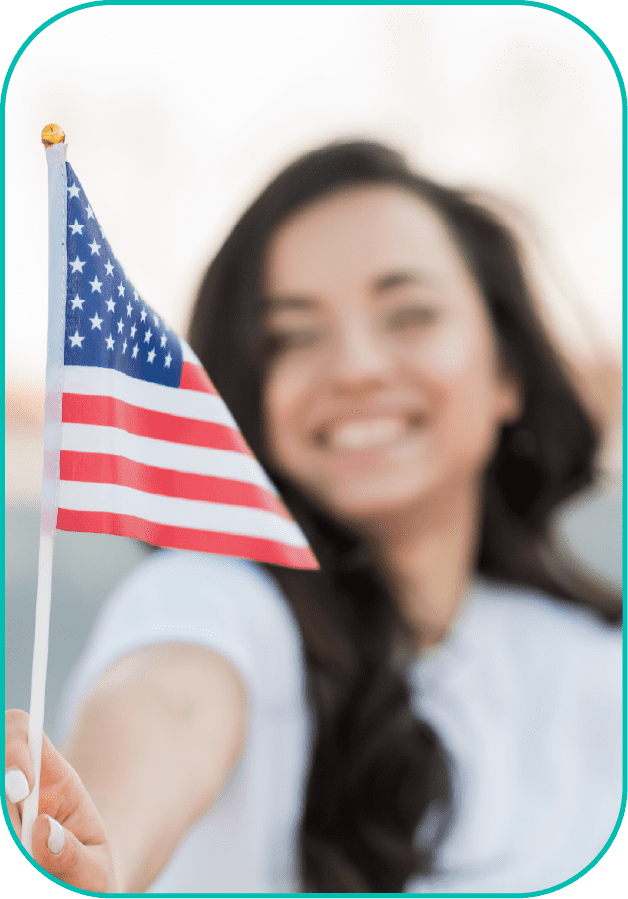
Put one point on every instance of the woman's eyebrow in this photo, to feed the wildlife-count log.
(398, 279)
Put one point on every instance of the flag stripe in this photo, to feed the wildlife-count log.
(98, 381)
(110, 412)
(190, 356)
(194, 378)
(102, 468)
(163, 454)
(178, 512)
(258, 549)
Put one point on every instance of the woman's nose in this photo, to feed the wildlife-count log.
(360, 358)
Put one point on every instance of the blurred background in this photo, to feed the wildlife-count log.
(177, 116)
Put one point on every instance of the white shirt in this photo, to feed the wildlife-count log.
(525, 694)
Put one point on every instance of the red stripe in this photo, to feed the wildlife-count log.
(257, 548)
(101, 468)
(109, 412)
(193, 377)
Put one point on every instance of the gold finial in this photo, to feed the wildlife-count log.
(51, 135)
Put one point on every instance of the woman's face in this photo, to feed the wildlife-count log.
(383, 388)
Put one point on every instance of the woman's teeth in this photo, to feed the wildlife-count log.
(358, 435)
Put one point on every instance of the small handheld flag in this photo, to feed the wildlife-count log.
(148, 448)
(137, 442)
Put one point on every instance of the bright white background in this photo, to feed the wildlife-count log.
(175, 117)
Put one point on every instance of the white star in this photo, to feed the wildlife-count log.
(136, 296)
(89, 211)
(76, 340)
(73, 191)
(135, 351)
(156, 320)
(96, 322)
(129, 309)
(96, 284)
(120, 326)
(151, 356)
(164, 339)
(167, 361)
(124, 346)
(77, 265)
(110, 305)
(133, 330)
(76, 228)
(110, 342)
(77, 302)
(148, 336)
(143, 314)
(109, 267)
(94, 247)
(102, 231)
(121, 289)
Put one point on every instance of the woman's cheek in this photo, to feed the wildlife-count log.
(442, 355)
(287, 397)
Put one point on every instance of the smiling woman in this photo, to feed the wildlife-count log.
(392, 357)
(438, 707)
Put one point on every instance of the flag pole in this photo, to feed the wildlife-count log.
(53, 139)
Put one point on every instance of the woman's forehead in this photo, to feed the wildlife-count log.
(364, 232)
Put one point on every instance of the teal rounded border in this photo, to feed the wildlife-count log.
(530, 3)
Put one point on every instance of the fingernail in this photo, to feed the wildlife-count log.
(56, 837)
(15, 785)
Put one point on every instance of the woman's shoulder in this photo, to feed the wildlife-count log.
(231, 606)
(546, 634)
(536, 609)
(172, 584)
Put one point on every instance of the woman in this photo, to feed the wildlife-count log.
(438, 706)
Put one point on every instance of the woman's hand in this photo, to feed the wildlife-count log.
(73, 846)
(154, 741)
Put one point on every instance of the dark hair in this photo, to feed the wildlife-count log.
(376, 769)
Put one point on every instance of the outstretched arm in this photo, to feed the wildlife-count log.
(154, 742)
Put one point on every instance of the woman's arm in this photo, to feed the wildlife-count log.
(155, 740)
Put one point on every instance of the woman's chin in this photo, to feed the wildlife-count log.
(354, 504)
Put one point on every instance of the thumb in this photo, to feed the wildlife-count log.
(60, 853)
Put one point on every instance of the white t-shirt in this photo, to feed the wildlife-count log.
(525, 694)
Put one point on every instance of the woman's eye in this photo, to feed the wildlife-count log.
(413, 315)
(283, 341)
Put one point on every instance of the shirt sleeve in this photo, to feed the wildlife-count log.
(228, 605)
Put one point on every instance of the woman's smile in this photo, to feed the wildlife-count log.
(367, 432)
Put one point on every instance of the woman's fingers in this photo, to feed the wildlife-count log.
(61, 793)
(19, 776)
(68, 839)
(17, 756)
(59, 852)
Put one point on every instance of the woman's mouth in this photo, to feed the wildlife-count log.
(369, 434)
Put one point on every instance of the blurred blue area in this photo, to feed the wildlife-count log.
(88, 566)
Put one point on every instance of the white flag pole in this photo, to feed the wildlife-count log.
(53, 139)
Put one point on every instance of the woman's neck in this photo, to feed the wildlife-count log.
(427, 555)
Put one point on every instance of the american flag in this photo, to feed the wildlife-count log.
(148, 448)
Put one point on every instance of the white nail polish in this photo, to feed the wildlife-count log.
(15, 785)
(56, 839)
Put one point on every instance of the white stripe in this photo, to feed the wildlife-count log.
(182, 513)
(163, 454)
(188, 354)
(97, 381)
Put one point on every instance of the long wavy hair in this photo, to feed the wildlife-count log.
(375, 768)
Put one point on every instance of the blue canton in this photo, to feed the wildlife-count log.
(107, 322)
